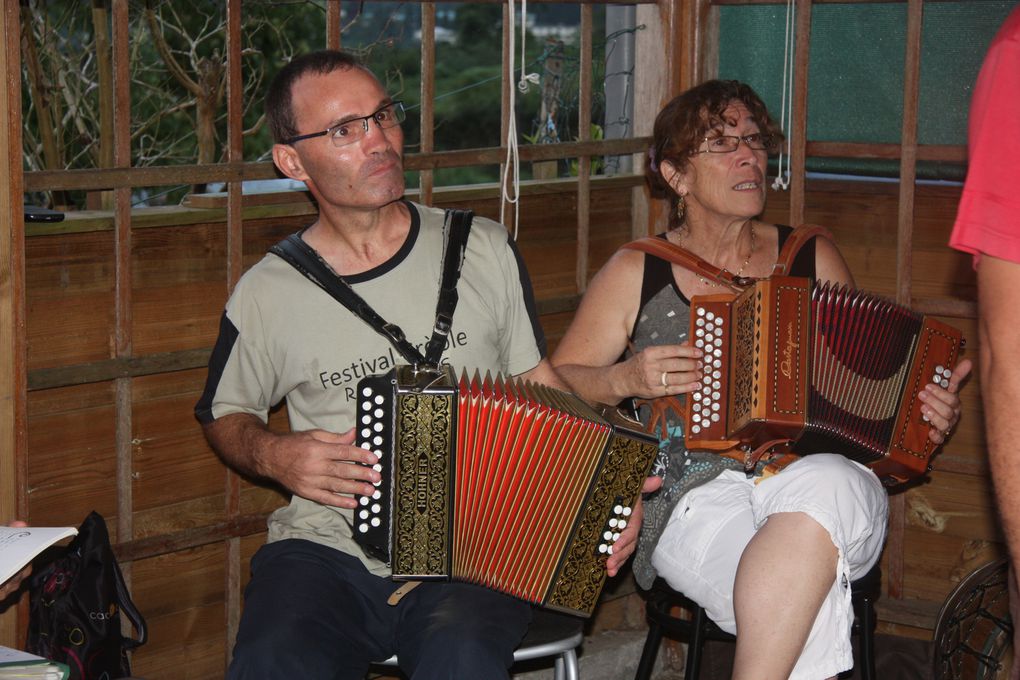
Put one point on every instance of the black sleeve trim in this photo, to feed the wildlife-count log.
(217, 361)
(529, 300)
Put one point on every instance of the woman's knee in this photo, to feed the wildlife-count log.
(830, 479)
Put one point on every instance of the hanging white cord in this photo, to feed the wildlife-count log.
(782, 180)
(511, 188)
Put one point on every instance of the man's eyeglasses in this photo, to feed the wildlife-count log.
(757, 141)
(351, 131)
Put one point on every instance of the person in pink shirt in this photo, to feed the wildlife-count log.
(988, 226)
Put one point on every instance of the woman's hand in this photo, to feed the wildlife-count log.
(941, 407)
(662, 369)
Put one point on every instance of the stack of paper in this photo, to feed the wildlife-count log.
(18, 664)
(18, 545)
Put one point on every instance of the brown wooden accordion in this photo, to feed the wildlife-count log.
(829, 369)
(506, 484)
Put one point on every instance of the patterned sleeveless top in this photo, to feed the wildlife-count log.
(664, 318)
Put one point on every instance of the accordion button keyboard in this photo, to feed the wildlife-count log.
(372, 436)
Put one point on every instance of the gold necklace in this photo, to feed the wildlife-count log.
(740, 270)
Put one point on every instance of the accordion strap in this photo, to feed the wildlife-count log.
(664, 250)
(794, 242)
(306, 260)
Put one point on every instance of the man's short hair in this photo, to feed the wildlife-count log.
(279, 109)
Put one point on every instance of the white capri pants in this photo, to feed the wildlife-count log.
(708, 530)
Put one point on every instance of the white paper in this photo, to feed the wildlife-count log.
(8, 655)
(18, 545)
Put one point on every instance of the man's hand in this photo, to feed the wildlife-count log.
(321, 466)
(625, 546)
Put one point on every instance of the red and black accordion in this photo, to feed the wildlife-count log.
(817, 368)
(499, 482)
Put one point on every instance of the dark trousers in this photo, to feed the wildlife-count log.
(313, 612)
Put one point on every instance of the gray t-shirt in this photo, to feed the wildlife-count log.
(282, 337)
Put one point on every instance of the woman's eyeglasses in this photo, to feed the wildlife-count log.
(757, 141)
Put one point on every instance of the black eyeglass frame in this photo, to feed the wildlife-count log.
(764, 139)
(400, 115)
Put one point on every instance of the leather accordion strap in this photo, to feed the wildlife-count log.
(306, 260)
(459, 222)
(670, 252)
(800, 236)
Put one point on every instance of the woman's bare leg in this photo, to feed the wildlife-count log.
(785, 572)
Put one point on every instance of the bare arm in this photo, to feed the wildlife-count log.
(999, 334)
(588, 355)
(317, 465)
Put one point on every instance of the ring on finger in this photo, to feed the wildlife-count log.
(662, 379)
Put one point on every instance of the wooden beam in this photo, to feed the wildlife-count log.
(164, 544)
(426, 111)
(91, 180)
(584, 161)
(13, 444)
(928, 152)
(798, 126)
(235, 264)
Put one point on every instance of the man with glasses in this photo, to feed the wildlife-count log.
(317, 606)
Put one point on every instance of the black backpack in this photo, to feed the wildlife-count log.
(75, 606)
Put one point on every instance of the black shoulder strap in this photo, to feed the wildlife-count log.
(306, 260)
(453, 261)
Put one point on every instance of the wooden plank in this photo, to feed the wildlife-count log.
(142, 548)
(925, 152)
(584, 161)
(426, 111)
(333, 17)
(13, 419)
(101, 179)
(798, 126)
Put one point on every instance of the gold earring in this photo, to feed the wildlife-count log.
(681, 208)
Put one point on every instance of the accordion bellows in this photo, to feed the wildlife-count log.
(829, 368)
(498, 482)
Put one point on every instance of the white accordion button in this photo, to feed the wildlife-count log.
(614, 522)
(363, 500)
(623, 524)
(363, 527)
(626, 511)
(379, 399)
(367, 391)
(603, 548)
(608, 535)
(376, 521)
(376, 495)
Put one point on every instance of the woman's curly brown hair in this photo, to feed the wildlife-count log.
(684, 122)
